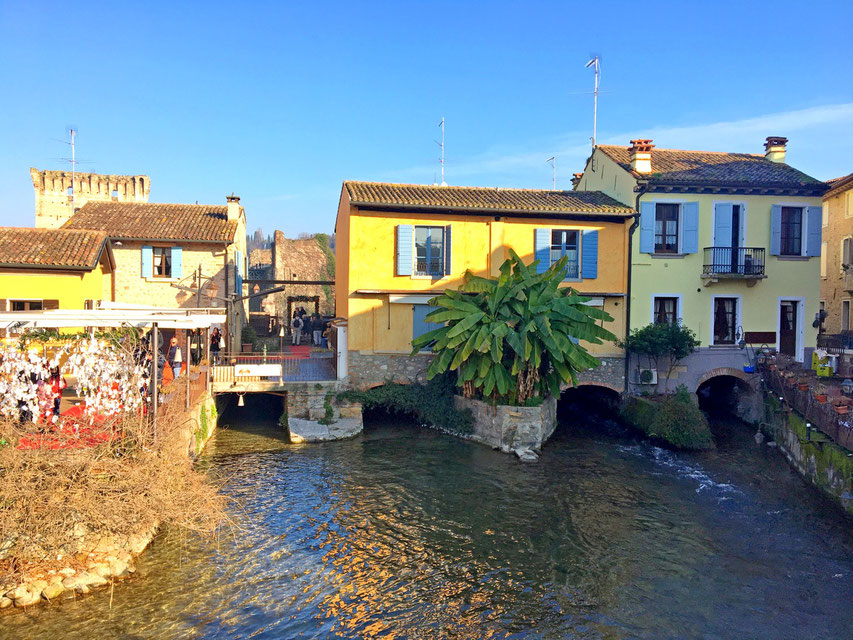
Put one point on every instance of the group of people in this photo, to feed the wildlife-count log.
(312, 327)
(49, 386)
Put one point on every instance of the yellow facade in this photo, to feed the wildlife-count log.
(787, 278)
(69, 289)
(378, 304)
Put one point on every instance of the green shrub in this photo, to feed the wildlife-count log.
(249, 334)
(675, 420)
(431, 403)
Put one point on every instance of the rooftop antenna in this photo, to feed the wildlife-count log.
(441, 145)
(596, 64)
(73, 165)
(553, 162)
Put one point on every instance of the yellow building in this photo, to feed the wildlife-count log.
(54, 269)
(728, 243)
(397, 246)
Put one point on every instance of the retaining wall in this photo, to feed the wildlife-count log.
(519, 430)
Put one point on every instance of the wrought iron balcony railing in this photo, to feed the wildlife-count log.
(734, 262)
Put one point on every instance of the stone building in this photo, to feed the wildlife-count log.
(58, 196)
(303, 259)
(156, 246)
(836, 267)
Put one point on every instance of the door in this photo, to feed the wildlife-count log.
(420, 325)
(736, 262)
(788, 327)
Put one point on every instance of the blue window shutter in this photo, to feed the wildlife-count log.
(448, 263)
(420, 326)
(647, 227)
(177, 263)
(147, 262)
(723, 224)
(775, 230)
(542, 249)
(690, 234)
(238, 275)
(589, 255)
(404, 249)
(814, 215)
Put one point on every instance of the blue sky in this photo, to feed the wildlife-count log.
(280, 102)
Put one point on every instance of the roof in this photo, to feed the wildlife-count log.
(713, 168)
(839, 185)
(50, 248)
(156, 221)
(475, 199)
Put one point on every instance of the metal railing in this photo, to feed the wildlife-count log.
(835, 343)
(274, 367)
(746, 262)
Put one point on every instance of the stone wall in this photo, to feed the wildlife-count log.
(695, 369)
(302, 259)
(366, 370)
(519, 430)
(315, 414)
(611, 374)
(822, 463)
(53, 202)
(838, 213)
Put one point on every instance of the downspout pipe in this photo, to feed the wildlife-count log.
(642, 189)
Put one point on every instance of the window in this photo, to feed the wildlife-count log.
(792, 231)
(845, 315)
(666, 228)
(162, 259)
(846, 252)
(725, 320)
(665, 310)
(429, 251)
(25, 305)
(564, 242)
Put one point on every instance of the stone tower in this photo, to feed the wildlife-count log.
(54, 199)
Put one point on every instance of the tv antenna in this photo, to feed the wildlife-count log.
(553, 162)
(596, 64)
(441, 145)
(72, 142)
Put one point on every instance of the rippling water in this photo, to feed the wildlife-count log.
(407, 533)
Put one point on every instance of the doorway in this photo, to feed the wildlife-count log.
(788, 327)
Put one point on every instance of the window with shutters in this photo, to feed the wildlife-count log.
(564, 242)
(162, 262)
(429, 251)
(26, 305)
(846, 253)
(665, 310)
(792, 231)
(725, 320)
(666, 227)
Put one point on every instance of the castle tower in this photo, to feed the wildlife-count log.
(53, 193)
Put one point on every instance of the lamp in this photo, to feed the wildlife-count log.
(760, 358)
(847, 386)
(240, 402)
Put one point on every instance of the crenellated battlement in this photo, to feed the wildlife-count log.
(54, 198)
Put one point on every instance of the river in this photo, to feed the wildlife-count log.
(404, 532)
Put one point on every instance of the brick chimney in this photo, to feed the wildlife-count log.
(774, 148)
(576, 179)
(641, 155)
(233, 207)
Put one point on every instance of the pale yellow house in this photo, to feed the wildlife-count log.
(728, 243)
(166, 255)
(54, 269)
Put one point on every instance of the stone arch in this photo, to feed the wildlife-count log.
(747, 378)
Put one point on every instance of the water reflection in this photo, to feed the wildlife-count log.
(405, 533)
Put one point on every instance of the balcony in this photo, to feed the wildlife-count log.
(733, 263)
(848, 279)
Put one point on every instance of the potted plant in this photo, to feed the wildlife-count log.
(841, 409)
(803, 384)
(820, 394)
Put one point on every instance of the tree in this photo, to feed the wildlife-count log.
(662, 341)
(514, 337)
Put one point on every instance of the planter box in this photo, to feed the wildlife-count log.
(803, 386)
(841, 409)
(511, 429)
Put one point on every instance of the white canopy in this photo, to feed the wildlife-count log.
(114, 315)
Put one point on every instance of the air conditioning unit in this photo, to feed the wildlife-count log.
(646, 376)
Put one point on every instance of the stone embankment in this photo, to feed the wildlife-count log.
(104, 560)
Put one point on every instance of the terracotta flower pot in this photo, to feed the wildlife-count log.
(841, 408)
(820, 397)
(772, 367)
(803, 386)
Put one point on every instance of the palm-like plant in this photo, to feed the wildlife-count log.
(514, 337)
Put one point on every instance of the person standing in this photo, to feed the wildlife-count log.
(175, 358)
(296, 325)
(215, 345)
(317, 330)
(57, 384)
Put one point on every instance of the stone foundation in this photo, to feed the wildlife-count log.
(366, 370)
(519, 430)
(315, 414)
(611, 374)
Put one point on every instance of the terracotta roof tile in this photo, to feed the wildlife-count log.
(839, 185)
(519, 201)
(712, 168)
(56, 248)
(156, 221)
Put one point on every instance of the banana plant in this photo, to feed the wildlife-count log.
(514, 337)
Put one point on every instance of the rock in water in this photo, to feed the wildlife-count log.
(759, 437)
(526, 455)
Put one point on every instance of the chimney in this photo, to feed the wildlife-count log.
(233, 207)
(576, 179)
(641, 155)
(774, 148)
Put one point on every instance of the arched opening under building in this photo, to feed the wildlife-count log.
(725, 395)
(587, 404)
(257, 413)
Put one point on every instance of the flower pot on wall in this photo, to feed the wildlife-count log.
(820, 397)
(841, 409)
(803, 386)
